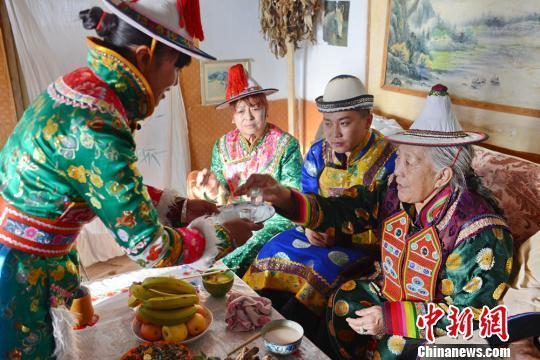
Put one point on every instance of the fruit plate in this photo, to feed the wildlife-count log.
(162, 349)
(247, 210)
(209, 320)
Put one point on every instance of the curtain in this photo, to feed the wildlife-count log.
(50, 41)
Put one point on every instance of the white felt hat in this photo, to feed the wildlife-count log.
(240, 85)
(343, 93)
(437, 124)
(174, 23)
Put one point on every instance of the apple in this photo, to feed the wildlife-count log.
(175, 333)
(200, 309)
(196, 324)
(151, 332)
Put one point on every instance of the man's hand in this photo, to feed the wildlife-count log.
(241, 230)
(319, 239)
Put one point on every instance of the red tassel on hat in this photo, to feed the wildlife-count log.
(237, 81)
(189, 14)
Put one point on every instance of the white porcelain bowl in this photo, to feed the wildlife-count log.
(287, 345)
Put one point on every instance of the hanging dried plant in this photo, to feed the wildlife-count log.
(288, 20)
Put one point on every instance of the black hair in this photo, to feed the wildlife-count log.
(118, 35)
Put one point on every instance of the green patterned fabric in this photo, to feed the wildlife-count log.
(73, 154)
(469, 268)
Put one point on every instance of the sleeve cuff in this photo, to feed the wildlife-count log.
(400, 318)
(305, 209)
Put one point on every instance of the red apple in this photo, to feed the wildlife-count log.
(151, 332)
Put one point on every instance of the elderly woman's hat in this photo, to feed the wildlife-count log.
(344, 93)
(240, 85)
(176, 23)
(437, 124)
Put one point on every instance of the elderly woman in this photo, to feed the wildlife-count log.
(306, 264)
(444, 241)
(254, 147)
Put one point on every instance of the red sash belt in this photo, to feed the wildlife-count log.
(35, 235)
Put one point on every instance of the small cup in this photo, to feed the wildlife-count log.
(255, 196)
(245, 214)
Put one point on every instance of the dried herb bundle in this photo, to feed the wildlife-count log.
(288, 20)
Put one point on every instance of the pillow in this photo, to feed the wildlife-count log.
(523, 294)
(385, 126)
(515, 183)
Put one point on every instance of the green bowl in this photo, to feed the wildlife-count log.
(221, 288)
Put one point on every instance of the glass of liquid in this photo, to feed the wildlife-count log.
(246, 213)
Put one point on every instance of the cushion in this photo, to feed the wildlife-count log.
(515, 183)
(523, 294)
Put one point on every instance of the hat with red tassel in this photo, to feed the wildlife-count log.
(175, 23)
(437, 124)
(240, 85)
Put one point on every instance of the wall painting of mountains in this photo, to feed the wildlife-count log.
(487, 52)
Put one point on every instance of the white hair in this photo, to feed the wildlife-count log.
(459, 159)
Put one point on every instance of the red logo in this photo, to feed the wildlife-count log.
(494, 322)
(429, 320)
(460, 322)
(491, 322)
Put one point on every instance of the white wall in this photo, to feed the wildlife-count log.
(232, 31)
(317, 63)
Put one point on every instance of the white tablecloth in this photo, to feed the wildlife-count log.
(112, 335)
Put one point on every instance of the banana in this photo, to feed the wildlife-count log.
(133, 301)
(140, 293)
(167, 317)
(169, 285)
(170, 302)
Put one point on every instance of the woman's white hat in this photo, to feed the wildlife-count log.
(240, 85)
(437, 124)
(176, 23)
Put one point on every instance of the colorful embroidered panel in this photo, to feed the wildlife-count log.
(422, 263)
(393, 242)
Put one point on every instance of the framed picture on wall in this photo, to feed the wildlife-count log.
(336, 22)
(214, 79)
(487, 55)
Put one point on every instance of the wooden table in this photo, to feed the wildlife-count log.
(112, 335)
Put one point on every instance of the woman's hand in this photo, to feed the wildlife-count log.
(369, 322)
(196, 208)
(240, 230)
(204, 185)
(319, 239)
(268, 188)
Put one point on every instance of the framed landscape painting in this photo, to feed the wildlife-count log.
(487, 52)
(214, 79)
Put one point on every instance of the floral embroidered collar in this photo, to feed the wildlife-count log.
(248, 148)
(124, 79)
